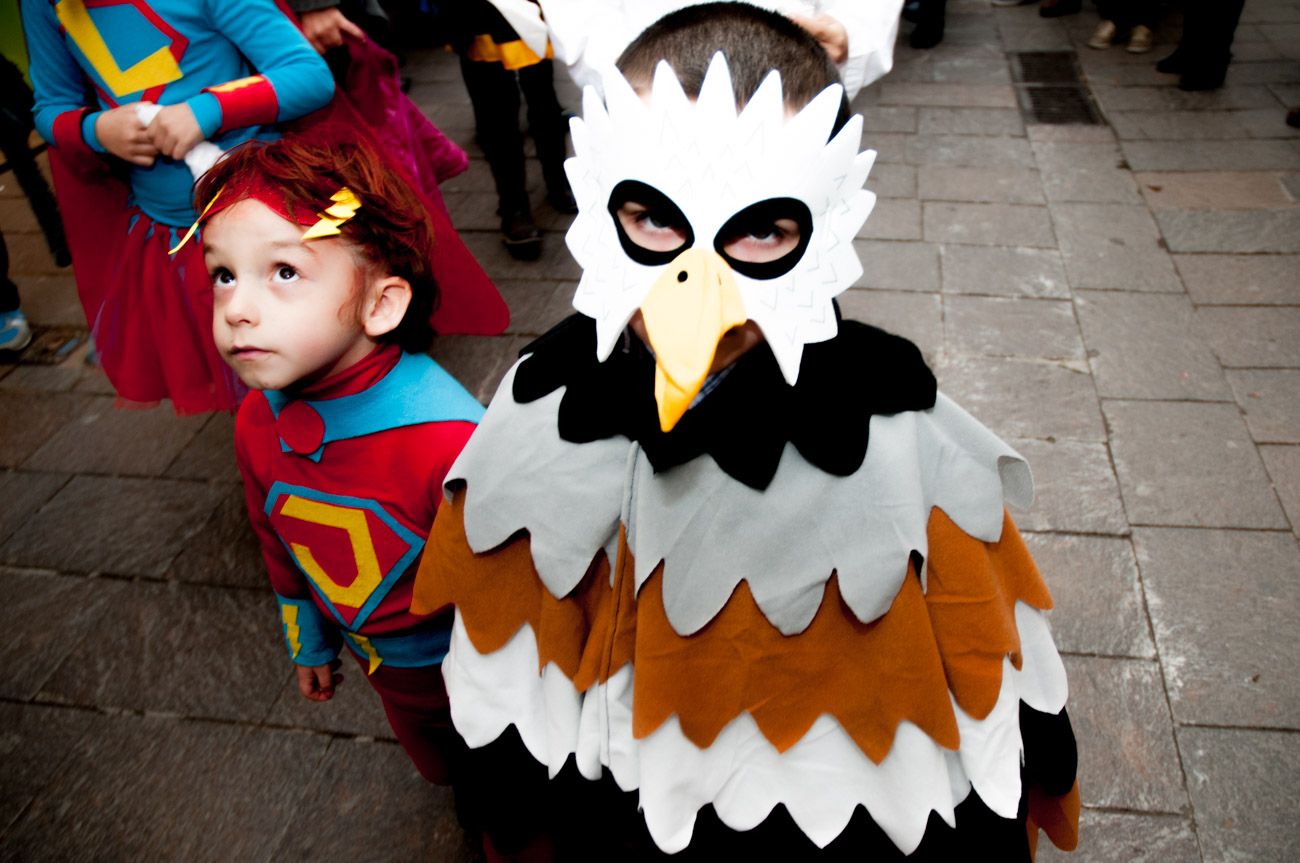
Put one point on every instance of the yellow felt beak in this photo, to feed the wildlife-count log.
(687, 312)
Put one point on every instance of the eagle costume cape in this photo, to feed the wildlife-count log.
(797, 612)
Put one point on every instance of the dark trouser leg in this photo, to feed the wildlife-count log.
(929, 24)
(8, 290)
(495, 96)
(32, 182)
(1208, 28)
(545, 122)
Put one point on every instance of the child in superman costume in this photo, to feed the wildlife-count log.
(224, 72)
(322, 290)
(731, 578)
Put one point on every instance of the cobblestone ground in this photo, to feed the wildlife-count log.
(1122, 301)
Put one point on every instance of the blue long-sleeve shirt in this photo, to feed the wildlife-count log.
(169, 52)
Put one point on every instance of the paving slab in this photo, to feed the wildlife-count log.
(224, 552)
(1084, 172)
(368, 803)
(969, 151)
(1010, 271)
(1113, 246)
(1127, 756)
(51, 298)
(1197, 125)
(1110, 837)
(119, 525)
(1189, 464)
(479, 364)
(893, 219)
(1025, 398)
(1252, 337)
(21, 494)
(1229, 231)
(889, 118)
(1239, 155)
(890, 147)
(980, 64)
(108, 440)
(980, 185)
(1094, 582)
(1214, 190)
(536, 306)
(1145, 346)
(947, 95)
(1242, 586)
(29, 419)
(892, 180)
(1270, 402)
(1241, 784)
(1075, 488)
(44, 617)
(898, 266)
(988, 224)
(210, 454)
(178, 649)
(1283, 464)
(144, 788)
(1170, 98)
(36, 742)
(355, 709)
(970, 121)
(917, 317)
(1011, 327)
(1241, 279)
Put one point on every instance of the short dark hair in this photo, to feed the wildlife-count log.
(391, 229)
(754, 41)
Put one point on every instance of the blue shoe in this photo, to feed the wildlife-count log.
(14, 332)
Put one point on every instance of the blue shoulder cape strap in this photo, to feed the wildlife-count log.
(416, 391)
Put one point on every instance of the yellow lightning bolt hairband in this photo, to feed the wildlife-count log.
(345, 205)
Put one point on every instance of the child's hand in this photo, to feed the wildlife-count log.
(120, 132)
(317, 682)
(829, 32)
(325, 29)
(175, 131)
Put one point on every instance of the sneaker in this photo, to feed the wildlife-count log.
(14, 332)
(521, 237)
(1140, 40)
(1104, 35)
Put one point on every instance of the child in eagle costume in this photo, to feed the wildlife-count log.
(729, 574)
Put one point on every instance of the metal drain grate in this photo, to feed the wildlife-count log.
(1059, 105)
(1051, 90)
(1045, 67)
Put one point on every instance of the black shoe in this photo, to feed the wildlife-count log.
(519, 233)
(1057, 8)
(1293, 117)
(911, 11)
(1203, 78)
(926, 36)
(561, 201)
(1174, 64)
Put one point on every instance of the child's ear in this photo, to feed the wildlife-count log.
(389, 298)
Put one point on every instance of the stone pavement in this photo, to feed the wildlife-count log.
(1122, 301)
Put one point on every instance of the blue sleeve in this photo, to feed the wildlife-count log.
(277, 51)
(57, 80)
(310, 638)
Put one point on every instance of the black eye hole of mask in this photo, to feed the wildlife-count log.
(658, 207)
(758, 219)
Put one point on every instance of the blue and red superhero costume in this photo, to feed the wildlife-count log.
(241, 66)
(342, 538)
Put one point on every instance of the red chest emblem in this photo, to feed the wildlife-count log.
(351, 549)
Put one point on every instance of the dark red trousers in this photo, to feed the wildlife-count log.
(415, 701)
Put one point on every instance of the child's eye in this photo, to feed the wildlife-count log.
(656, 221)
(285, 273)
(221, 277)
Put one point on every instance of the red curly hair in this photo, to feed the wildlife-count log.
(391, 229)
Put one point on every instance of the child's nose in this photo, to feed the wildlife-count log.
(240, 307)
